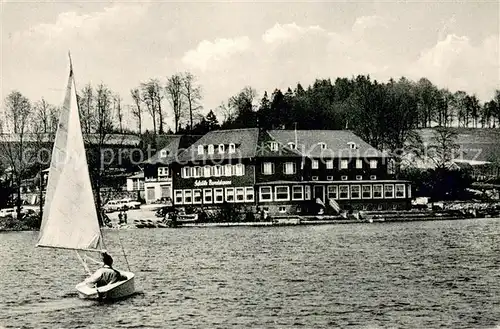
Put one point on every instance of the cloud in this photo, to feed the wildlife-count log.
(364, 23)
(455, 62)
(287, 32)
(71, 24)
(208, 53)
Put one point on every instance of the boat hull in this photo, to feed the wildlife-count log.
(117, 290)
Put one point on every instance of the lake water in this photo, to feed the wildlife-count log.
(442, 274)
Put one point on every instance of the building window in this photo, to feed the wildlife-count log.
(198, 172)
(162, 171)
(268, 168)
(352, 145)
(344, 164)
(207, 195)
(227, 170)
(332, 192)
(329, 164)
(373, 164)
(221, 148)
(274, 146)
(282, 209)
(240, 169)
(232, 148)
(282, 193)
(314, 164)
(409, 191)
(292, 146)
(265, 193)
(178, 196)
(343, 192)
(355, 192)
(239, 194)
(400, 191)
(210, 149)
(163, 153)
(329, 177)
(289, 168)
(218, 195)
(218, 171)
(187, 197)
(229, 194)
(373, 177)
(201, 149)
(377, 191)
(366, 191)
(359, 177)
(249, 195)
(185, 172)
(343, 177)
(196, 196)
(322, 145)
(359, 163)
(307, 192)
(297, 192)
(389, 191)
(206, 171)
(391, 167)
(315, 177)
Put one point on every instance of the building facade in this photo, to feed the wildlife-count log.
(157, 172)
(287, 172)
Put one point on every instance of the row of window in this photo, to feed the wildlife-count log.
(221, 148)
(337, 192)
(290, 168)
(293, 146)
(376, 191)
(227, 170)
(215, 195)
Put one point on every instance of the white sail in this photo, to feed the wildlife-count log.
(69, 215)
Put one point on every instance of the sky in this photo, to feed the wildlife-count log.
(230, 45)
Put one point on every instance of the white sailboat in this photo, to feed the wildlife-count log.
(70, 219)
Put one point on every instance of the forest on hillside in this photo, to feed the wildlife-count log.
(382, 113)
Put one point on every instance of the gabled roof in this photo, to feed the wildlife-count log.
(264, 148)
(166, 154)
(246, 141)
(337, 143)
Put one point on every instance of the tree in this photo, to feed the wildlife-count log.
(443, 147)
(174, 94)
(43, 115)
(20, 148)
(243, 105)
(192, 94)
(117, 104)
(85, 106)
(137, 109)
(96, 142)
(152, 97)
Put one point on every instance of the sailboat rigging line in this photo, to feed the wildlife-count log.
(93, 260)
(83, 263)
(77, 249)
(123, 250)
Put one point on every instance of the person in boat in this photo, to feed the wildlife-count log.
(106, 274)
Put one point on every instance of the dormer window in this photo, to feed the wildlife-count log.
(201, 149)
(292, 145)
(232, 148)
(163, 171)
(210, 149)
(322, 146)
(221, 148)
(352, 145)
(163, 153)
(274, 146)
